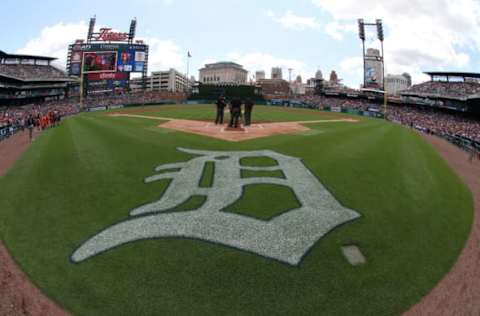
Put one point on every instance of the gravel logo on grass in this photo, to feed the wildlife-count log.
(286, 237)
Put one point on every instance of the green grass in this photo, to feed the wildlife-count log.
(87, 174)
(259, 114)
(258, 162)
(208, 175)
(262, 174)
(280, 199)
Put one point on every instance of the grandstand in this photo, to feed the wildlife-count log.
(26, 79)
(457, 91)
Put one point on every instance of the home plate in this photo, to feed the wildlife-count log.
(234, 135)
(223, 132)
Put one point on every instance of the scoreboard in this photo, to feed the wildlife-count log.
(97, 58)
(106, 60)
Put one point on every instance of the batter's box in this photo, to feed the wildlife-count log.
(249, 132)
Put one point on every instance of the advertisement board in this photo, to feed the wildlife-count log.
(371, 76)
(373, 71)
(75, 69)
(99, 62)
(130, 60)
(108, 76)
(336, 109)
(99, 57)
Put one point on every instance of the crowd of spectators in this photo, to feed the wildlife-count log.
(147, 97)
(347, 103)
(428, 120)
(18, 118)
(436, 122)
(445, 89)
(14, 119)
(32, 72)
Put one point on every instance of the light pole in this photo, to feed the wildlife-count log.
(188, 71)
(380, 35)
(381, 38)
(361, 34)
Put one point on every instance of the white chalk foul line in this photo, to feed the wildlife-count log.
(158, 118)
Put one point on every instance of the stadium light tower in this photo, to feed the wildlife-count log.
(380, 35)
(361, 33)
(91, 28)
(381, 38)
(133, 30)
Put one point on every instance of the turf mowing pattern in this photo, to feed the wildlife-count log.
(87, 174)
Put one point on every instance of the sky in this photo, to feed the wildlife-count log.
(304, 35)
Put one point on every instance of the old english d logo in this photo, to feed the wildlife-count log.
(286, 238)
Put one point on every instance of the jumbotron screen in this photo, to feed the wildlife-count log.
(100, 62)
(129, 58)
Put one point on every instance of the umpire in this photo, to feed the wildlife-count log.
(235, 111)
(221, 104)
(248, 111)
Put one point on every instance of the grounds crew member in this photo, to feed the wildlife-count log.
(221, 104)
(235, 112)
(248, 112)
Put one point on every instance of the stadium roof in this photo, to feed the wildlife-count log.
(453, 74)
(223, 64)
(20, 56)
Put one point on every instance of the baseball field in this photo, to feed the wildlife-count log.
(87, 213)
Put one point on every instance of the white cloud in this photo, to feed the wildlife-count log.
(165, 54)
(421, 34)
(337, 30)
(54, 40)
(352, 65)
(352, 68)
(291, 21)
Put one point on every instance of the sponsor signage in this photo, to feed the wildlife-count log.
(130, 60)
(106, 35)
(97, 109)
(336, 109)
(99, 62)
(108, 57)
(108, 76)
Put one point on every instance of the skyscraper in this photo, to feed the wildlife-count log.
(277, 73)
(259, 75)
